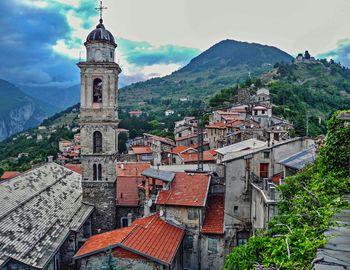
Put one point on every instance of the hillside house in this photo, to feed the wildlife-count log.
(185, 127)
(187, 140)
(149, 243)
(184, 201)
(136, 113)
(160, 146)
(243, 169)
(142, 153)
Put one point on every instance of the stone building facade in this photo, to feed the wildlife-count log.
(98, 125)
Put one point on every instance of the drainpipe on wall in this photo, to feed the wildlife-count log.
(199, 241)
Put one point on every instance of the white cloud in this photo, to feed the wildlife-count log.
(62, 48)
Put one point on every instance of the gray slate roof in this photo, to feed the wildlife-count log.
(158, 174)
(335, 255)
(38, 210)
(301, 159)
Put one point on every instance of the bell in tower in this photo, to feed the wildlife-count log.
(98, 126)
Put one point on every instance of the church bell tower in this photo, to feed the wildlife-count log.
(98, 126)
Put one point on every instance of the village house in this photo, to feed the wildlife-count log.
(136, 113)
(223, 116)
(160, 146)
(244, 168)
(149, 243)
(141, 153)
(184, 201)
(262, 97)
(169, 112)
(187, 140)
(185, 127)
(294, 163)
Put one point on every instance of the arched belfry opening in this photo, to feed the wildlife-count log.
(97, 142)
(97, 91)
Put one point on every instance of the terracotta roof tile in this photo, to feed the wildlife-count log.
(186, 190)
(179, 149)
(214, 216)
(74, 167)
(193, 157)
(8, 175)
(103, 240)
(149, 237)
(131, 168)
(158, 239)
(139, 150)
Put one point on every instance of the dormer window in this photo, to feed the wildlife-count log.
(97, 91)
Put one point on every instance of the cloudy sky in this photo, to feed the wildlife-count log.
(41, 40)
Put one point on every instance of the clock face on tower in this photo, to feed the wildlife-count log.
(98, 55)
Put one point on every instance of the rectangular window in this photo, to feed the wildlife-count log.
(266, 154)
(242, 238)
(235, 209)
(188, 242)
(124, 222)
(192, 213)
(212, 245)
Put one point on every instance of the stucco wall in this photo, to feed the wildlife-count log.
(95, 262)
(209, 260)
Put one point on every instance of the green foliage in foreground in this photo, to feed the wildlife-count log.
(309, 200)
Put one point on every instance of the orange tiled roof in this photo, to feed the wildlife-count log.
(193, 157)
(103, 240)
(158, 138)
(181, 148)
(214, 216)
(74, 167)
(150, 237)
(217, 125)
(131, 168)
(8, 175)
(186, 190)
(139, 150)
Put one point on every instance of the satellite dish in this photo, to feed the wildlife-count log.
(161, 213)
(149, 203)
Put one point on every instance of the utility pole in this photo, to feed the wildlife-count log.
(200, 141)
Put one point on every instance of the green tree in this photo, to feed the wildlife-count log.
(110, 263)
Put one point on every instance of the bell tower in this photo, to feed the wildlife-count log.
(98, 126)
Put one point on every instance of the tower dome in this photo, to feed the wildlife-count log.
(101, 34)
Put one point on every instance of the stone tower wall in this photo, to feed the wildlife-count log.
(99, 116)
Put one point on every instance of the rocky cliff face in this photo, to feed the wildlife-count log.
(18, 111)
(17, 120)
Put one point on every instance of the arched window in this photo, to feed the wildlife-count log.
(99, 172)
(97, 142)
(94, 172)
(97, 91)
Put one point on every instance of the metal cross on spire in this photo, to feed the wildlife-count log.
(101, 8)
